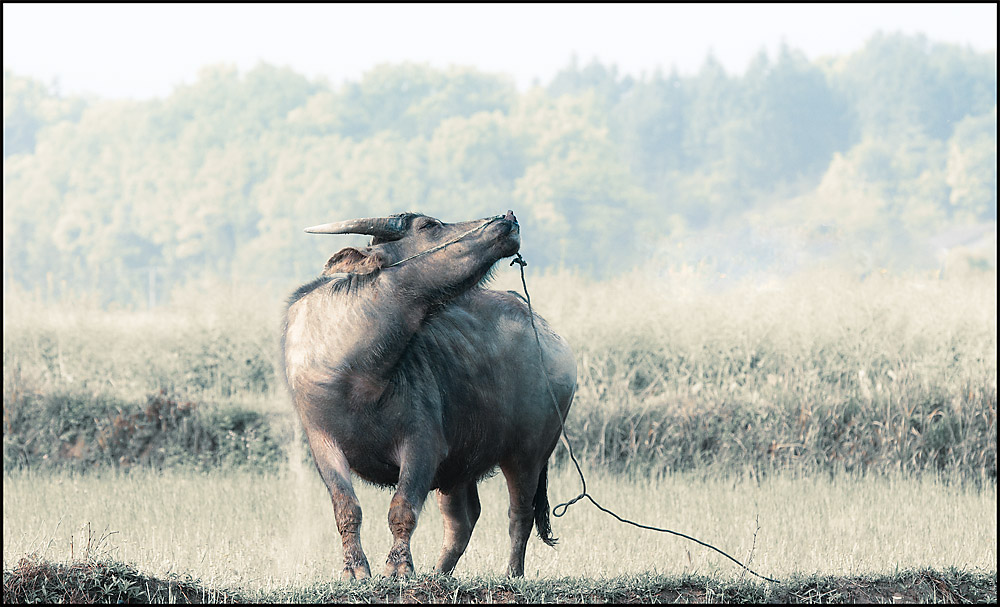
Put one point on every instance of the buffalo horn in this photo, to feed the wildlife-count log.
(386, 228)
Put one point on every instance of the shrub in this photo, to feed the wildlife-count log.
(79, 431)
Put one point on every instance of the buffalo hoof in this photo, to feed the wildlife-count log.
(399, 562)
(400, 569)
(358, 572)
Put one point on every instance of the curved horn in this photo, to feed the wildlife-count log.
(386, 228)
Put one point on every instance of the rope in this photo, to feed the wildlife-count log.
(561, 509)
(487, 221)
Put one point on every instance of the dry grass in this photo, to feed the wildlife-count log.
(265, 532)
(676, 371)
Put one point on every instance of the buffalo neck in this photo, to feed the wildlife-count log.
(377, 326)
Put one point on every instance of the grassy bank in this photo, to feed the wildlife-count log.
(110, 582)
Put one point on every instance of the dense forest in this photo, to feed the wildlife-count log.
(860, 159)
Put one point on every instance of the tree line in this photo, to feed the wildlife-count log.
(873, 152)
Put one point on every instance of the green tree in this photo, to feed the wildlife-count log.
(897, 83)
(604, 82)
(972, 168)
(29, 106)
(473, 164)
(579, 197)
(787, 124)
(649, 124)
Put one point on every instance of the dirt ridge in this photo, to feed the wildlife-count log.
(35, 580)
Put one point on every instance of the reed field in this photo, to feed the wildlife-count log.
(818, 426)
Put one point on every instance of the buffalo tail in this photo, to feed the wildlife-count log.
(541, 506)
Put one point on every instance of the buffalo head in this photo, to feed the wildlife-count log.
(450, 257)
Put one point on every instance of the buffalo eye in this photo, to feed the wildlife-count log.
(430, 224)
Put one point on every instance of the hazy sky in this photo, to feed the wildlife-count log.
(142, 51)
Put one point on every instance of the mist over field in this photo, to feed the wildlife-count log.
(879, 160)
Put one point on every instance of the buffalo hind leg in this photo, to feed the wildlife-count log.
(336, 473)
(460, 510)
(416, 471)
(522, 481)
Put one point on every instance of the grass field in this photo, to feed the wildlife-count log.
(262, 533)
(854, 421)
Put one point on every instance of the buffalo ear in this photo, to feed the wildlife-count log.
(355, 262)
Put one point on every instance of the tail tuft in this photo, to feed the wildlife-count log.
(541, 507)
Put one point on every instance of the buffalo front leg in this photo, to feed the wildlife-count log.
(459, 510)
(336, 473)
(416, 471)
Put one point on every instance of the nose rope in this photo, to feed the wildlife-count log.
(560, 509)
(487, 221)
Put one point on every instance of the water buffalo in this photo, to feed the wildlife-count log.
(406, 370)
